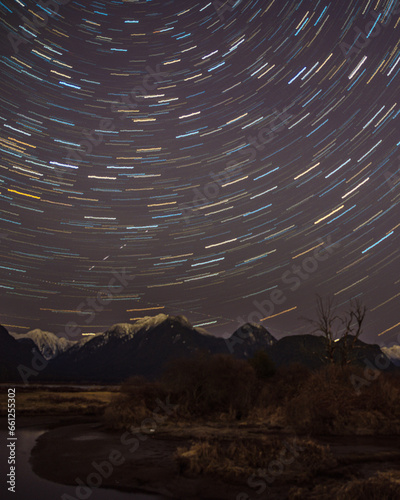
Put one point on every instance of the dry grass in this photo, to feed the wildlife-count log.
(380, 486)
(49, 402)
(227, 458)
(136, 402)
(121, 415)
(304, 402)
(328, 403)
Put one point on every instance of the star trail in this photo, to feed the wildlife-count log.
(234, 158)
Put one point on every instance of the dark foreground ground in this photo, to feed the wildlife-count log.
(80, 450)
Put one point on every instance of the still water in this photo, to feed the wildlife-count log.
(29, 486)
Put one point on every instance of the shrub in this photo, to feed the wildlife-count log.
(136, 401)
(226, 458)
(247, 456)
(328, 402)
(381, 486)
(382, 394)
(206, 385)
(283, 385)
(325, 395)
(262, 364)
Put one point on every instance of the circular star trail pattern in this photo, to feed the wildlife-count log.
(211, 150)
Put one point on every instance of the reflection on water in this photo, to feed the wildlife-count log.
(32, 487)
(87, 437)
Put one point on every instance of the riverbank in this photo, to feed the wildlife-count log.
(122, 460)
(206, 448)
(86, 452)
(58, 400)
(32, 486)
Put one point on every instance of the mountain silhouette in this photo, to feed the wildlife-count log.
(14, 356)
(147, 346)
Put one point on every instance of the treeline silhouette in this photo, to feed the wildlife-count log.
(333, 399)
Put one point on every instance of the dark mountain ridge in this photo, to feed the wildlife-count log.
(14, 354)
(148, 345)
(145, 348)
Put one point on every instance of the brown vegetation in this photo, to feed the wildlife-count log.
(46, 401)
(229, 458)
(201, 387)
(209, 385)
(223, 388)
(380, 486)
(328, 403)
(135, 402)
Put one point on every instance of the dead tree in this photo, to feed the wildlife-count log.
(326, 324)
(339, 331)
(352, 327)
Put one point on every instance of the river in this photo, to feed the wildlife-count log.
(29, 486)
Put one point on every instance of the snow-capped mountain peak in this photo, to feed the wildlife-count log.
(393, 353)
(129, 329)
(48, 343)
(147, 323)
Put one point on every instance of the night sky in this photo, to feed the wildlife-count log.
(230, 159)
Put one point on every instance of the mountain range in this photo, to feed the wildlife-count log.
(148, 345)
(48, 344)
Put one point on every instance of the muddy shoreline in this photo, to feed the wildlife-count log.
(71, 453)
(73, 449)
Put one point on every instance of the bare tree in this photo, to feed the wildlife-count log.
(352, 326)
(326, 324)
(340, 331)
